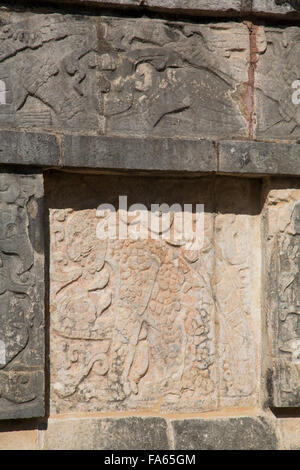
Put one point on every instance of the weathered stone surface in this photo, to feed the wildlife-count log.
(27, 148)
(277, 83)
(135, 76)
(199, 6)
(189, 6)
(106, 434)
(282, 292)
(246, 433)
(289, 429)
(259, 157)
(139, 154)
(147, 338)
(47, 71)
(19, 440)
(237, 245)
(285, 8)
(21, 296)
(171, 79)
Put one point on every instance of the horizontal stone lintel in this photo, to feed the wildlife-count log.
(265, 158)
(118, 153)
(149, 154)
(288, 9)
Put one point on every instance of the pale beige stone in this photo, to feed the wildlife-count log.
(135, 324)
(132, 322)
(19, 440)
(282, 305)
(289, 432)
(238, 279)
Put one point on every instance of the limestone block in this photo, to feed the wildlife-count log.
(28, 148)
(18, 440)
(130, 433)
(237, 289)
(207, 6)
(47, 70)
(129, 153)
(247, 433)
(167, 78)
(282, 303)
(133, 322)
(123, 75)
(277, 83)
(289, 430)
(259, 157)
(21, 296)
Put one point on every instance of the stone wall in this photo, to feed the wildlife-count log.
(148, 342)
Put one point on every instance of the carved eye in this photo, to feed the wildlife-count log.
(100, 367)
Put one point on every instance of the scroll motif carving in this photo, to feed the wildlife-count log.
(21, 297)
(124, 311)
(157, 76)
(132, 321)
(132, 76)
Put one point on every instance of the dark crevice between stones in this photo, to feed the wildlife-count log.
(292, 412)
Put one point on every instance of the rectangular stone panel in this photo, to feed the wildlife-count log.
(237, 244)
(187, 6)
(118, 75)
(198, 6)
(282, 244)
(21, 296)
(152, 324)
(131, 433)
(48, 71)
(174, 78)
(28, 148)
(130, 153)
(132, 321)
(242, 433)
(277, 82)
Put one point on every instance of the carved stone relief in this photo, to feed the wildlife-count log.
(283, 295)
(47, 65)
(278, 70)
(126, 76)
(173, 78)
(237, 277)
(133, 322)
(21, 296)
